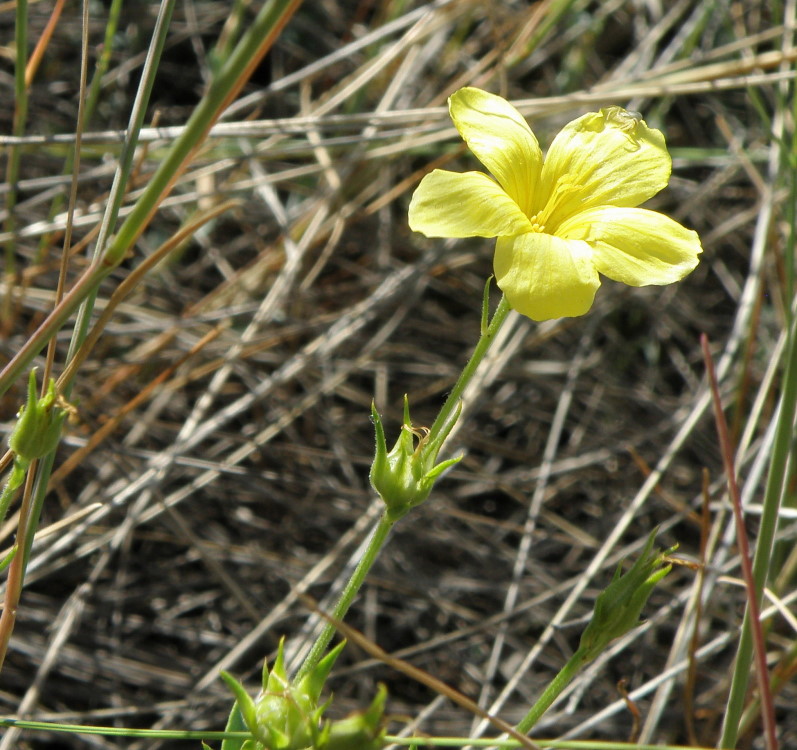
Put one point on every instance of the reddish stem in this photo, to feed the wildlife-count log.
(754, 611)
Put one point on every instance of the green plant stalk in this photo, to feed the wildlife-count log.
(88, 111)
(375, 544)
(384, 525)
(564, 677)
(179, 734)
(773, 494)
(485, 340)
(263, 31)
(12, 172)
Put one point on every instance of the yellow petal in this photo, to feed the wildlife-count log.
(501, 139)
(609, 158)
(634, 245)
(545, 277)
(468, 204)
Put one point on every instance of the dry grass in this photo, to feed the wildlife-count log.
(221, 459)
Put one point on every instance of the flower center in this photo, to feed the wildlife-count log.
(536, 224)
(556, 208)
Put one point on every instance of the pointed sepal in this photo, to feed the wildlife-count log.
(404, 477)
(244, 701)
(313, 683)
(360, 731)
(619, 606)
(39, 422)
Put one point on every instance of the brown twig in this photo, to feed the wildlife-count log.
(419, 675)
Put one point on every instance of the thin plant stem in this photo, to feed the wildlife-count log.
(180, 734)
(565, 676)
(751, 628)
(379, 536)
(487, 337)
(73, 190)
(375, 544)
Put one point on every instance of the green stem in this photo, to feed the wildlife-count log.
(14, 155)
(551, 693)
(776, 488)
(378, 538)
(465, 377)
(15, 480)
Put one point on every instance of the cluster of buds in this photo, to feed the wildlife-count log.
(287, 715)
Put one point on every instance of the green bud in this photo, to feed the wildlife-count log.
(618, 608)
(361, 731)
(287, 715)
(38, 426)
(404, 477)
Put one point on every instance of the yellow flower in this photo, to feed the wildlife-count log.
(562, 221)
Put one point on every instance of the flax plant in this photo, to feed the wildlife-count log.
(560, 220)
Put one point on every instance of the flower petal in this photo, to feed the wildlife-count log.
(545, 277)
(634, 245)
(501, 139)
(468, 204)
(607, 158)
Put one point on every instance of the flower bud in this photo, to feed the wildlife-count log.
(404, 477)
(38, 426)
(286, 716)
(617, 609)
(360, 731)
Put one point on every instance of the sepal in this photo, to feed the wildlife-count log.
(286, 715)
(619, 606)
(39, 421)
(404, 477)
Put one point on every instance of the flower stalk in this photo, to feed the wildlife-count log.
(411, 468)
(617, 611)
